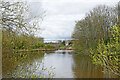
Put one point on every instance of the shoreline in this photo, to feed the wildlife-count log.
(39, 50)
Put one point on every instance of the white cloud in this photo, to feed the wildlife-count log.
(62, 14)
(68, 0)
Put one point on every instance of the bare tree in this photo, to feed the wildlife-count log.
(16, 17)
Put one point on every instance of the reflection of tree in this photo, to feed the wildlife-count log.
(84, 68)
(18, 60)
(63, 52)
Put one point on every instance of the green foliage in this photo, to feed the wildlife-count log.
(17, 32)
(70, 43)
(17, 42)
(63, 42)
(107, 55)
(94, 27)
(39, 45)
(49, 46)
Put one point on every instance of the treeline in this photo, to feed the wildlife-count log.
(19, 27)
(98, 35)
(93, 27)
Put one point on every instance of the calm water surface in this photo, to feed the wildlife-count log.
(63, 64)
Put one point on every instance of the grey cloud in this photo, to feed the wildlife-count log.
(61, 16)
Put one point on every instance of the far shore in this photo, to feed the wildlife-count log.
(38, 50)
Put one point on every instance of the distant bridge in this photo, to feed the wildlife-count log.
(55, 40)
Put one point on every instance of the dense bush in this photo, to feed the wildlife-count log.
(96, 38)
(107, 55)
(18, 27)
(93, 27)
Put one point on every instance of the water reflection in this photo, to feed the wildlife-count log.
(69, 65)
(11, 66)
(62, 63)
(84, 68)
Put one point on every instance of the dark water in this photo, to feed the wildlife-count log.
(61, 64)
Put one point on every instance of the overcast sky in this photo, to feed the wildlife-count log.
(61, 15)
